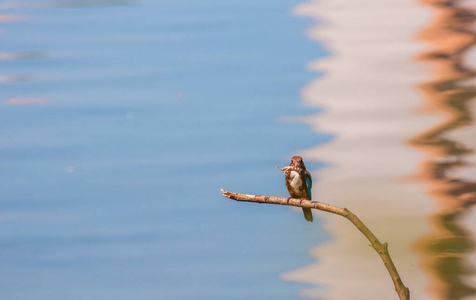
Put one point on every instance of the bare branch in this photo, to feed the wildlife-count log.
(382, 249)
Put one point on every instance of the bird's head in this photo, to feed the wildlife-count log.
(297, 163)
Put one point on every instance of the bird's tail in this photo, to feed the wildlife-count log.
(307, 214)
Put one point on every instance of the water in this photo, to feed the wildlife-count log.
(121, 121)
(399, 95)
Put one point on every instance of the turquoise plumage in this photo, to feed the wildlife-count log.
(309, 186)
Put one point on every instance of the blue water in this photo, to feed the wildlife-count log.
(120, 122)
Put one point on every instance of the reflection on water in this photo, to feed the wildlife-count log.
(368, 97)
(26, 100)
(125, 113)
(370, 100)
(8, 18)
(445, 251)
(73, 3)
(63, 3)
(22, 55)
(13, 56)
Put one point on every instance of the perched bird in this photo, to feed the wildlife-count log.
(299, 183)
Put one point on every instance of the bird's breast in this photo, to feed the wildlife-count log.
(295, 180)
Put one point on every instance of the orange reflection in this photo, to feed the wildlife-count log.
(9, 18)
(446, 249)
(26, 101)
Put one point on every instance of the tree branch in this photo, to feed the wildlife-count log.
(382, 249)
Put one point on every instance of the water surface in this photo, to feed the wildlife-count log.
(398, 93)
(120, 122)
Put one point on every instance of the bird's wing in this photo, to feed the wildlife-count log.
(309, 183)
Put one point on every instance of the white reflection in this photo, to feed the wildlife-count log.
(369, 96)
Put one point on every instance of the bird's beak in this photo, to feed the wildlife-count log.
(296, 163)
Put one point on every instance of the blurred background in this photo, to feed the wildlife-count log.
(121, 120)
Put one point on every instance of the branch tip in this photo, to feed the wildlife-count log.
(225, 193)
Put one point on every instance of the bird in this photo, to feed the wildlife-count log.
(299, 183)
